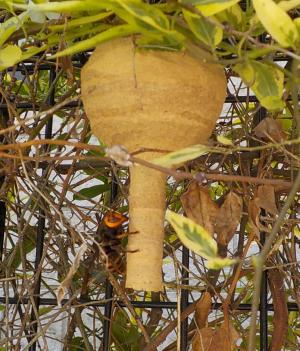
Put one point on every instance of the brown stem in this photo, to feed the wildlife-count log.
(212, 176)
(281, 314)
(261, 260)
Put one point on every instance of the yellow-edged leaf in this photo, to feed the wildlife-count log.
(8, 27)
(209, 9)
(113, 32)
(143, 14)
(219, 263)
(65, 6)
(267, 82)
(288, 5)
(205, 31)
(234, 15)
(297, 232)
(193, 235)
(80, 21)
(148, 19)
(197, 239)
(224, 140)
(178, 157)
(277, 22)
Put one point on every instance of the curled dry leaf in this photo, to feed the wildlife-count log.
(253, 212)
(228, 218)
(199, 207)
(270, 129)
(221, 338)
(266, 199)
(202, 310)
(65, 284)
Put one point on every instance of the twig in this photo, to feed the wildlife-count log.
(26, 144)
(46, 113)
(212, 176)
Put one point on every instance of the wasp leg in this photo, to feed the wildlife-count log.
(120, 250)
(124, 235)
(130, 251)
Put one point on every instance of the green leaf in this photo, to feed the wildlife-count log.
(267, 82)
(205, 31)
(6, 5)
(148, 19)
(77, 344)
(177, 157)
(65, 6)
(296, 232)
(32, 51)
(114, 32)
(9, 55)
(8, 27)
(234, 16)
(224, 140)
(288, 5)
(125, 331)
(13, 260)
(218, 263)
(210, 7)
(297, 24)
(193, 235)
(136, 10)
(277, 22)
(214, 7)
(91, 192)
(45, 310)
(80, 21)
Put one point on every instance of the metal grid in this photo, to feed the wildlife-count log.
(265, 307)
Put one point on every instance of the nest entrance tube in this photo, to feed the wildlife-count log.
(156, 100)
(146, 213)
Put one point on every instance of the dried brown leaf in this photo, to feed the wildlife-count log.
(254, 212)
(223, 338)
(270, 129)
(203, 308)
(203, 339)
(66, 64)
(266, 199)
(263, 199)
(199, 207)
(228, 218)
(65, 284)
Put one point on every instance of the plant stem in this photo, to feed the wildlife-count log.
(262, 258)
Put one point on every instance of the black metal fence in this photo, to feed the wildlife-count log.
(265, 307)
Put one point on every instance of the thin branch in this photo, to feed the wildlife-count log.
(179, 175)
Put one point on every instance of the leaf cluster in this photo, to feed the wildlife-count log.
(246, 37)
